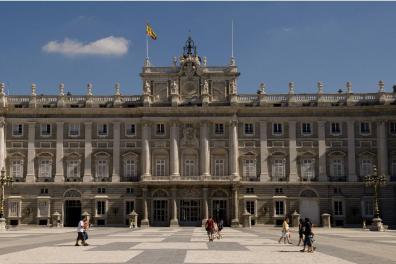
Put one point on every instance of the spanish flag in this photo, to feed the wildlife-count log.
(150, 32)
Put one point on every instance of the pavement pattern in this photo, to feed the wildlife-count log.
(191, 245)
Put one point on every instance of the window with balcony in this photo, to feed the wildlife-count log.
(45, 168)
(189, 167)
(16, 168)
(73, 169)
(306, 129)
(249, 129)
(219, 167)
(74, 130)
(130, 168)
(278, 169)
(337, 168)
(277, 129)
(308, 169)
(45, 130)
(17, 130)
(160, 168)
(366, 167)
(219, 129)
(102, 168)
(130, 130)
(249, 168)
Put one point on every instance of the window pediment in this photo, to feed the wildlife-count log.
(337, 154)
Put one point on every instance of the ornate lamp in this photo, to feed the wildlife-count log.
(376, 181)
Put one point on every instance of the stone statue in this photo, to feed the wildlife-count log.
(175, 61)
(174, 87)
(233, 87)
(204, 61)
(291, 88)
(349, 87)
(262, 88)
(320, 87)
(205, 87)
(61, 89)
(89, 88)
(381, 86)
(34, 89)
(117, 89)
(146, 88)
(2, 88)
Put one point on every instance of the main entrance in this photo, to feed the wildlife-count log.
(190, 213)
(160, 213)
(219, 209)
(72, 212)
(309, 206)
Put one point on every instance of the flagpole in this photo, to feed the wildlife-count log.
(147, 55)
(232, 38)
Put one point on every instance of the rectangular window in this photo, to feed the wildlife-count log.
(44, 190)
(45, 167)
(337, 168)
(366, 167)
(307, 169)
(13, 209)
(100, 207)
(102, 129)
(160, 129)
(101, 190)
(278, 169)
(17, 129)
(306, 129)
(17, 168)
(250, 207)
(74, 130)
(249, 168)
(392, 127)
(45, 130)
(249, 129)
(73, 169)
(160, 167)
(219, 167)
(368, 207)
(129, 207)
(219, 129)
(338, 208)
(279, 208)
(102, 169)
(364, 128)
(43, 208)
(277, 129)
(130, 130)
(189, 168)
(335, 128)
(130, 168)
(393, 168)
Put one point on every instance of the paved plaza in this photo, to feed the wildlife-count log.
(190, 245)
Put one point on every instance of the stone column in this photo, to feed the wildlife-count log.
(59, 172)
(2, 144)
(293, 177)
(382, 147)
(205, 205)
(174, 151)
(146, 151)
(115, 177)
(322, 151)
(30, 175)
(351, 152)
(235, 220)
(145, 220)
(88, 153)
(174, 221)
(205, 151)
(234, 150)
(264, 175)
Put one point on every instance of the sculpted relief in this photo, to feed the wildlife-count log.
(189, 138)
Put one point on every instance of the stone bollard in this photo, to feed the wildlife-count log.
(295, 219)
(56, 222)
(247, 219)
(133, 216)
(326, 220)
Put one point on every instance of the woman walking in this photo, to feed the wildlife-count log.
(285, 231)
(301, 231)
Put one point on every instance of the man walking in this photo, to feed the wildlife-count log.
(80, 232)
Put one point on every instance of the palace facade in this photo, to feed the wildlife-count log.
(191, 147)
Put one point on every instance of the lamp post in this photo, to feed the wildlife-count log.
(5, 181)
(376, 181)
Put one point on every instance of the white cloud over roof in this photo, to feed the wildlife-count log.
(110, 46)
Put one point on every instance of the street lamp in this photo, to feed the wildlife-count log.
(376, 181)
(5, 181)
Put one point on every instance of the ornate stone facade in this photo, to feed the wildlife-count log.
(191, 146)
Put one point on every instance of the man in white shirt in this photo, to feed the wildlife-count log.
(80, 232)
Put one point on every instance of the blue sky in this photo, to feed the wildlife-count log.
(275, 42)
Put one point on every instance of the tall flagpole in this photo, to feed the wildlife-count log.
(147, 55)
(232, 38)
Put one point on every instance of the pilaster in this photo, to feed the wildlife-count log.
(88, 152)
(59, 172)
(146, 151)
(382, 149)
(174, 221)
(234, 150)
(116, 152)
(2, 143)
(235, 220)
(204, 150)
(145, 220)
(205, 205)
(264, 176)
(30, 175)
(351, 151)
(293, 177)
(322, 151)
(174, 151)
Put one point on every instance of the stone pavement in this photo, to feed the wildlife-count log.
(190, 245)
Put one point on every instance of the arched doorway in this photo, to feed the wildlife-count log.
(309, 206)
(72, 208)
(160, 208)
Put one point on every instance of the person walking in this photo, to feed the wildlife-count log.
(80, 232)
(300, 231)
(308, 236)
(209, 226)
(220, 226)
(285, 231)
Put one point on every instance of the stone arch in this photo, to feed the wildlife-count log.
(160, 193)
(219, 193)
(72, 193)
(309, 192)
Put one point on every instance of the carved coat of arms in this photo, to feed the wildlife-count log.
(189, 138)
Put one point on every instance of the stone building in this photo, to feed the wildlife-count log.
(191, 147)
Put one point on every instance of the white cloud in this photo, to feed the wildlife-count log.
(110, 46)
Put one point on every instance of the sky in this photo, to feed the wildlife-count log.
(75, 43)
